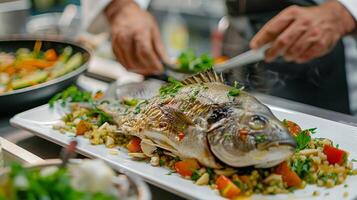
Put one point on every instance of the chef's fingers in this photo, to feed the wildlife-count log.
(304, 43)
(285, 40)
(124, 43)
(274, 27)
(319, 48)
(159, 46)
(146, 54)
(119, 54)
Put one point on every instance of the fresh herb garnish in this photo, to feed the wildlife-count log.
(189, 62)
(303, 138)
(171, 88)
(195, 176)
(71, 94)
(260, 138)
(137, 109)
(161, 162)
(301, 167)
(210, 172)
(102, 116)
(337, 146)
(194, 93)
(130, 102)
(170, 173)
(234, 92)
(354, 160)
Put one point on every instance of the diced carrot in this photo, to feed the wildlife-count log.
(134, 145)
(293, 128)
(227, 188)
(36, 63)
(186, 167)
(289, 176)
(334, 155)
(82, 127)
(51, 55)
(98, 95)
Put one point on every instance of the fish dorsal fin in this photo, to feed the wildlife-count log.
(208, 76)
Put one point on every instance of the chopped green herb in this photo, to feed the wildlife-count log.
(71, 94)
(189, 62)
(171, 88)
(210, 172)
(260, 138)
(102, 116)
(195, 176)
(285, 122)
(345, 186)
(161, 162)
(337, 146)
(302, 168)
(303, 138)
(234, 92)
(194, 94)
(130, 102)
(171, 172)
(354, 160)
(344, 158)
(138, 107)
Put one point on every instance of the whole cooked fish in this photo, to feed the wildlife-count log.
(203, 118)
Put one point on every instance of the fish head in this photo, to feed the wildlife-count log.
(246, 133)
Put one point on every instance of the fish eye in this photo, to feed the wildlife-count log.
(257, 122)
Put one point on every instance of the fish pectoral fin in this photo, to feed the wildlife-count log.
(175, 116)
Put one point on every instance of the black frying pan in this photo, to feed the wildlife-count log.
(19, 100)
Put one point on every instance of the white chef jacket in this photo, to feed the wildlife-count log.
(94, 21)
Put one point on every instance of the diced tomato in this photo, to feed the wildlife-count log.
(181, 136)
(134, 145)
(293, 128)
(186, 167)
(82, 127)
(227, 188)
(334, 155)
(289, 176)
(51, 55)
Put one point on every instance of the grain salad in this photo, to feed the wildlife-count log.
(316, 161)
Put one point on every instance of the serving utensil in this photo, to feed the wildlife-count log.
(248, 57)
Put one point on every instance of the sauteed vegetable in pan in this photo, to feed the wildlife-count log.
(28, 67)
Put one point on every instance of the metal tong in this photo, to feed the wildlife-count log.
(248, 57)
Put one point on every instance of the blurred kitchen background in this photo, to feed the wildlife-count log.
(185, 24)
(200, 25)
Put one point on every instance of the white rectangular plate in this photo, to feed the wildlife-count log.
(39, 121)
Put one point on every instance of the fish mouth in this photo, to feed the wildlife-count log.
(267, 145)
(259, 158)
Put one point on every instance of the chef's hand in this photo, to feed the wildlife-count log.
(301, 34)
(135, 37)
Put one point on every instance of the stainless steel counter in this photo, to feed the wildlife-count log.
(45, 149)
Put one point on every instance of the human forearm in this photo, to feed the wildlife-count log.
(117, 7)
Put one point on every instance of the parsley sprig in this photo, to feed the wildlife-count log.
(171, 88)
(235, 90)
(303, 138)
(71, 94)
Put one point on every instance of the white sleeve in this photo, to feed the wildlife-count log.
(351, 5)
(93, 19)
